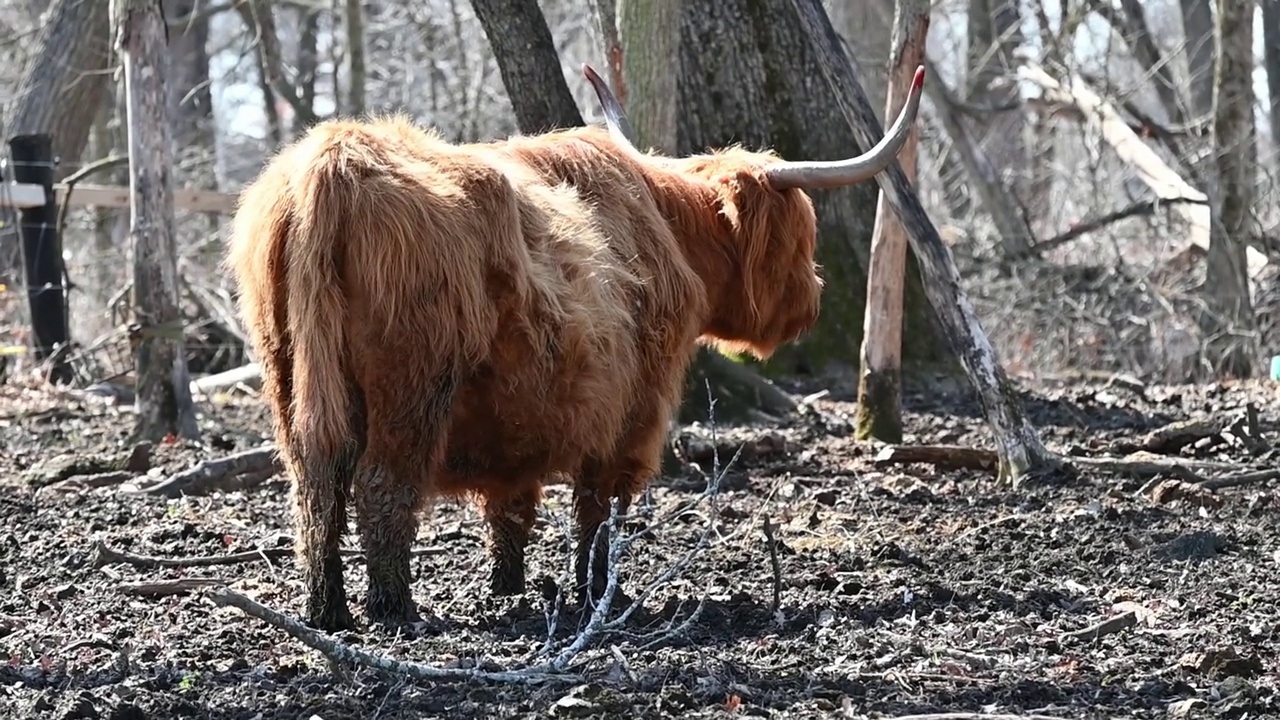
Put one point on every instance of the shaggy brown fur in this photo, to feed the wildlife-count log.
(444, 320)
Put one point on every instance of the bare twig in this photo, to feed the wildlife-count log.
(161, 588)
(342, 654)
(105, 555)
(1143, 208)
(1111, 625)
(1238, 479)
(775, 566)
(975, 716)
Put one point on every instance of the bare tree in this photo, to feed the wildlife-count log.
(355, 58)
(61, 88)
(1271, 60)
(1198, 28)
(164, 400)
(994, 37)
(1229, 315)
(880, 386)
(867, 26)
(529, 64)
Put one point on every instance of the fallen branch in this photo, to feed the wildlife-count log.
(1101, 117)
(1111, 625)
(343, 654)
(1144, 208)
(1238, 479)
(954, 457)
(90, 481)
(1172, 437)
(1149, 467)
(162, 588)
(211, 473)
(249, 375)
(105, 555)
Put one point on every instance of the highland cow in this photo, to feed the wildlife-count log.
(438, 320)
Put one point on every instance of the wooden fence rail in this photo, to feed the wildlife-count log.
(24, 195)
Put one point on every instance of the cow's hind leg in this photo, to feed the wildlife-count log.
(405, 441)
(619, 478)
(597, 486)
(510, 518)
(320, 488)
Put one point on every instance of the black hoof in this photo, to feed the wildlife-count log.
(332, 619)
(505, 583)
(391, 609)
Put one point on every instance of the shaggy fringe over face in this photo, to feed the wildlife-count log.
(444, 320)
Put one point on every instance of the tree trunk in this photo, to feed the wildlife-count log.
(650, 36)
(879, 412)
(259, 18)
(746, 75)
(1228, 320)
(1271, 60)
(308, 60)
(995, 194)
(1201, 54)
(994, 37)
(1197, 26)
(355, 59)
(190, 109)
(1137, 35)
(867, 27)
(164, 400)
(529, 64)
(61, 89)
(110, 139)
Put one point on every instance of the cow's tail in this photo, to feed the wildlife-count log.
(327, 411)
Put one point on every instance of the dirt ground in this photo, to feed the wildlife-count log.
(902, 589)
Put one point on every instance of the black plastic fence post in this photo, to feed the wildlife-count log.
(32, 160)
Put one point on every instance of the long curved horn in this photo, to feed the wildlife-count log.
(614, 117)
(834, 173)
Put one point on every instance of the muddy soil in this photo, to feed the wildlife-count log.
(900, 589)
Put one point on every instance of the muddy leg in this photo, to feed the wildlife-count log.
(591, 511)
(320, 516)
(386, 504)
(510, 520)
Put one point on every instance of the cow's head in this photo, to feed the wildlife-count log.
(768, 225)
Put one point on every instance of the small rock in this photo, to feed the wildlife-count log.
(1171, 491)
(1221, 662)
(1196, 545)
(1184, 708)
(570, 706)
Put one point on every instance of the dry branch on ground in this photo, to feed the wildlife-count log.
(258, 463)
